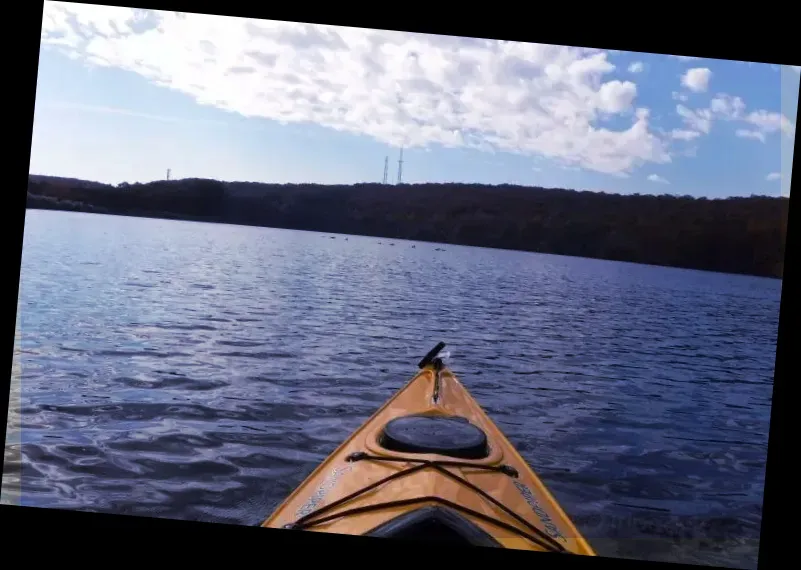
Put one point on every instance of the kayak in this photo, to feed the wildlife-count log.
(431, 465)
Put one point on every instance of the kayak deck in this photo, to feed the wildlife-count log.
(430, 464)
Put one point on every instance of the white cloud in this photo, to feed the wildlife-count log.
(685, 57)
(398, 88)
(774, 176)
(750, 134)
(769, 122)
(616, 96)
(684, 135)
(657, 178)
(679, 96)
(697, 79)
(727, 106)
(762, 123)
(700, 120)
(636, 67)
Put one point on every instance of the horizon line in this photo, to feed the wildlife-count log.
(379, 183)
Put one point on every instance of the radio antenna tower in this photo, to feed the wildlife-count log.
(400, 167)
(168, 174)
(386, 169)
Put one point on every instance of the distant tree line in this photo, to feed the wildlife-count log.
(732, 235)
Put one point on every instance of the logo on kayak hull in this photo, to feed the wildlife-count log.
(552, 530)
(328, 483)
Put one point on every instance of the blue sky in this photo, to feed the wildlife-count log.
(125, 94)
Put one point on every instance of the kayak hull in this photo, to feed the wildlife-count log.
(387, 479)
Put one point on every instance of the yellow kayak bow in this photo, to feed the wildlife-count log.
(431, 465)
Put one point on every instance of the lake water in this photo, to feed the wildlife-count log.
(201, 371)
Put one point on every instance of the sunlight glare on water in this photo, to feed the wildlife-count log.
(201, 371)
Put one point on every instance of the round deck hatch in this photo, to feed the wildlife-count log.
(451, 436)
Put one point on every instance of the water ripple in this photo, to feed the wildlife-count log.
(200, 371)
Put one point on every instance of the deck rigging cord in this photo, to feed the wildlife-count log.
(536, 535)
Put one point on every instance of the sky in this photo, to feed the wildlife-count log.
(126, 94)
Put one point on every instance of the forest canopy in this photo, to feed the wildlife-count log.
(733, 235)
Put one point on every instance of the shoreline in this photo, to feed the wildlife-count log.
(323, 233)
(738, 236)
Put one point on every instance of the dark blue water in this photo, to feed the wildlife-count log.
(201, 371)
